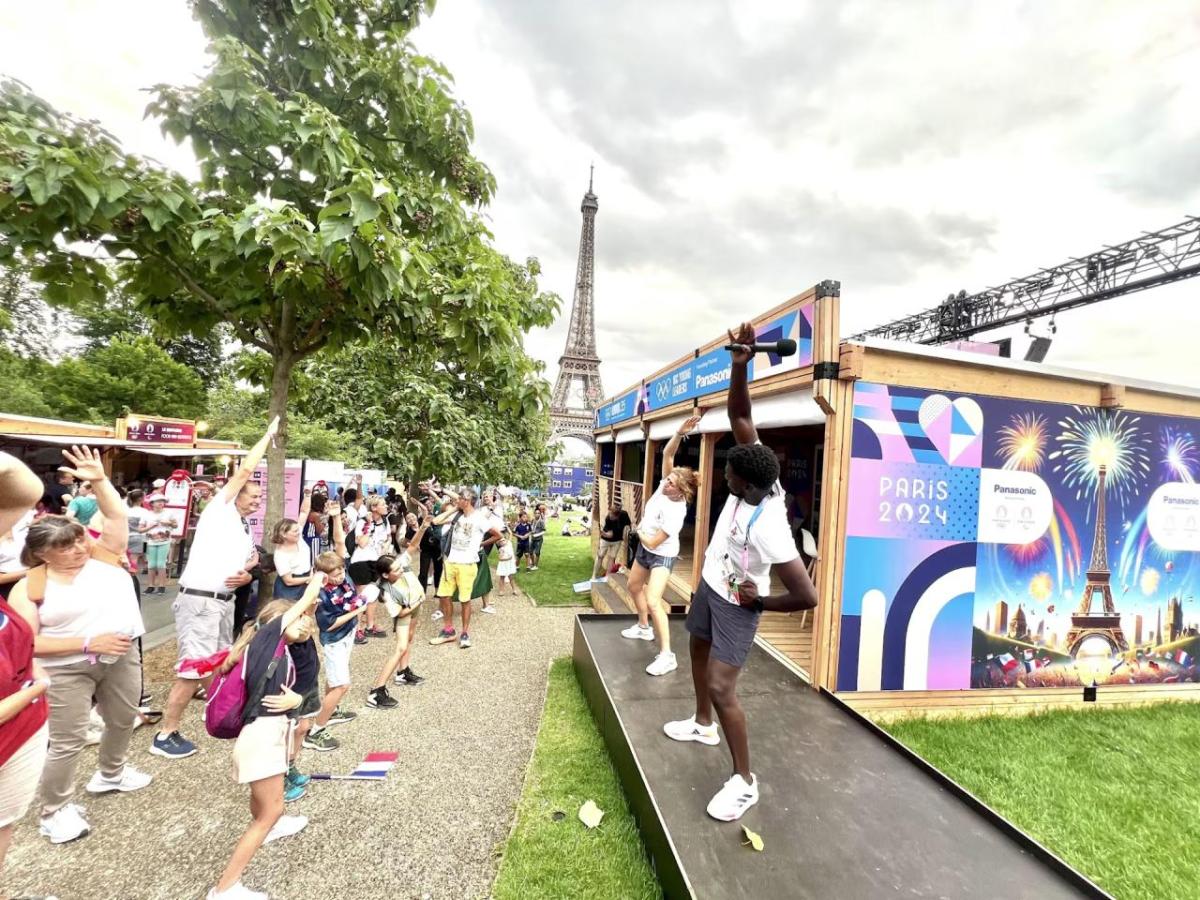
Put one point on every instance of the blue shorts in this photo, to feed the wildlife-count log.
(728, 627)
(651, 560)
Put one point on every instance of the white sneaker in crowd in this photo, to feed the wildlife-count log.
(638, 632)
(662, 664)
(65, 824)
(437, 614)
(734, 799)
(286, 827)
(95, 730)
(130, 779)
(690, 730)
(489, 609)
(238, 892)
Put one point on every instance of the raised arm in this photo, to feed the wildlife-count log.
(85, 465)
(668, 465)
(305, 507)
(337, 533)
(20, 491)
(307, 601)
(738, 404)
(250, 462)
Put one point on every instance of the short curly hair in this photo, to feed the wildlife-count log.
(754, 463)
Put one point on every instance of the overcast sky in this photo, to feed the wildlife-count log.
(745, 151)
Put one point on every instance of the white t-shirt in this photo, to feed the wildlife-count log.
(294, 561)
(467, 537)
(770, 541)
(100, 600)
(220, 549)
(379, 535)
(666, 515)
(160, 524)
(353, 515)
(11, 547)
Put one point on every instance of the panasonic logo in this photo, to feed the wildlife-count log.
(709, 380)
(1181, 501)
(1015, 491)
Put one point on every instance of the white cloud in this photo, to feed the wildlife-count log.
(747, 150)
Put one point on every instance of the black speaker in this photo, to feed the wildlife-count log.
(1038, 349)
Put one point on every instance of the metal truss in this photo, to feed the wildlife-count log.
(1156, 258)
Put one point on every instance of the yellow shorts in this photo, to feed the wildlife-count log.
(460, 577)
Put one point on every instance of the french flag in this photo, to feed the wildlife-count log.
(1007, 662)
(376, 765)
(1181, 657)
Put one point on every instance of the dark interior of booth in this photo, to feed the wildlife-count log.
(800, 450)
(608, 455)
(633, 459)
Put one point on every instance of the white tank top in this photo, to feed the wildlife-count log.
(101, 600)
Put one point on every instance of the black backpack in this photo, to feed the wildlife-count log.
(448, 533)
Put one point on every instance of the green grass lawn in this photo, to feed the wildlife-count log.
(565, 560)
(560, 857)
(1114, 792)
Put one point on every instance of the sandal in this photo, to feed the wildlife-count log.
(148, 717)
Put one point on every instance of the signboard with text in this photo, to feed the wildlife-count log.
(624, 407)
(140, 430)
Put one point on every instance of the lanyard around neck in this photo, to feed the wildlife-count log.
(746, 541)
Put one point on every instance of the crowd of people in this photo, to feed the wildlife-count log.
(347, 566)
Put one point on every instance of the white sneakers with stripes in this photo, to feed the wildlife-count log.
(734, 799)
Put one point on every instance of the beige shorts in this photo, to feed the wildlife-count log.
(204, 625)
(19, 776)
(261, 750)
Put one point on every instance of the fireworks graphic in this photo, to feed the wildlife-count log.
(1023, 442)
(1041, 586)
(1180, 455)
(1101, 437)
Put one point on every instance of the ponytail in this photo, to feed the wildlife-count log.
(270, 612)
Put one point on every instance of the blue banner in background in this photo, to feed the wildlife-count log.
(705, 374)
(624, 407)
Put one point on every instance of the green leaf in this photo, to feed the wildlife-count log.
(363, 208)
(333, 230)
(752, 840)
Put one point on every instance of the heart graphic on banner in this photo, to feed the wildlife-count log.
(954, 428)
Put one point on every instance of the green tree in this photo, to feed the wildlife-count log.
(28, 324)
(336, 201)
(23, 379)
(240, 414)
(420, 417)
(126, 375)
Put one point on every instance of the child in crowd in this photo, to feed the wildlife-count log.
(338, 613)
(260, 754)
(522, 530)
(160, 523)
(401, 594)
(506, 565)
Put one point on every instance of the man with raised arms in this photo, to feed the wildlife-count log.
(751, 535)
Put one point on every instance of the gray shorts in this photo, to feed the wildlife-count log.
(648, 559)
(728, 627)
(203, 625)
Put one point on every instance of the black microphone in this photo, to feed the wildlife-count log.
(785, 347)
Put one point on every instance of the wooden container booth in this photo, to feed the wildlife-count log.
(991, 535)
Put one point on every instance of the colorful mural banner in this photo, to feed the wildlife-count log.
(995, 543)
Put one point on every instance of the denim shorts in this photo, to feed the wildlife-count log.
(651, 560)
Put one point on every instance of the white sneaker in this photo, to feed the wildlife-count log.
(638, 632)
(734, 799)
(662, 664)
(286, 827)
(130, 779)
(93, 736)
(65, 824)
(437, 614)
(238, 892)
(690, 730)
(489, 609)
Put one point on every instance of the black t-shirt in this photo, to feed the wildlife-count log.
(57, 497)
(258, 662)
(615, 526)
(307, 662)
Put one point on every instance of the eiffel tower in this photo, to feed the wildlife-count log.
(578, 392)
(1107, 624)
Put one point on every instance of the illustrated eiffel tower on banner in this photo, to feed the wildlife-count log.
(1104, 623)
(578, 391)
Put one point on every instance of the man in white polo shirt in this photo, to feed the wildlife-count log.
(751, 536)
(218, 564)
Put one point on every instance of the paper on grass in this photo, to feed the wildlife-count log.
(590, 814)
(582, 587)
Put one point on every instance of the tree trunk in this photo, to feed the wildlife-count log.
(281, 376)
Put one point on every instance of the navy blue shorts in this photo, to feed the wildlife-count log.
(651, 560)
(728, 627)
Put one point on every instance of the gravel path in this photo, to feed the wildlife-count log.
(430, 831)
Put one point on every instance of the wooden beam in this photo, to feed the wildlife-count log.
(850, 362)
(708, 449)
(1112, 395)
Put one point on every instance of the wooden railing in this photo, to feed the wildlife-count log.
(630, 493)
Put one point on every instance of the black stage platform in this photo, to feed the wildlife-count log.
(844, 812)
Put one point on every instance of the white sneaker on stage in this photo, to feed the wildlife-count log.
(662, 664)
(734, 799)
(638, 632)
(690, 730)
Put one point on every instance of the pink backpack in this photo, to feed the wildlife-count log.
(224, 712)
